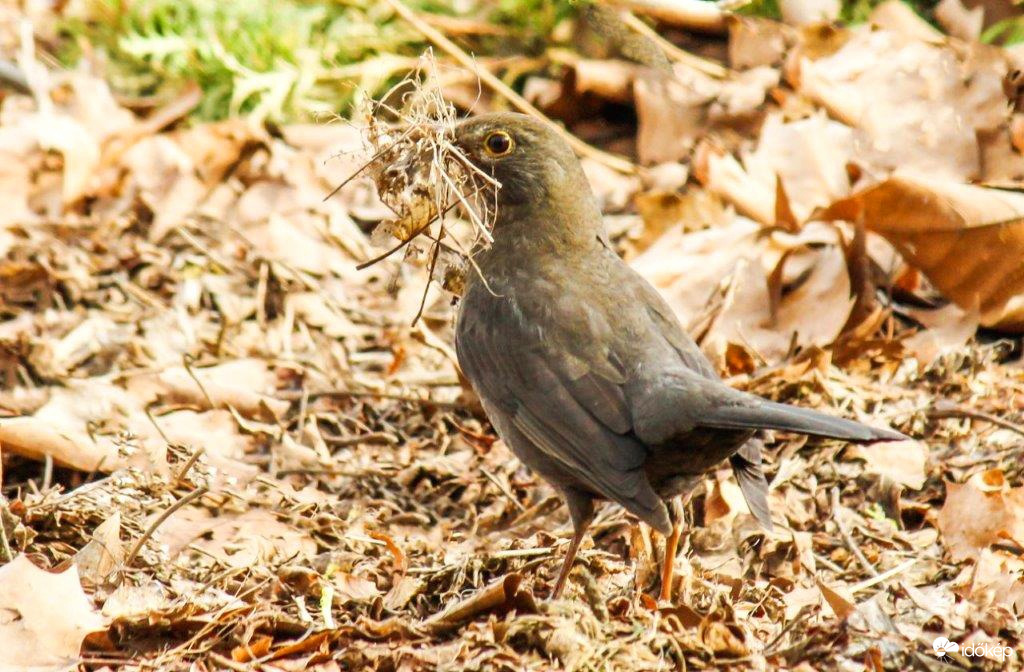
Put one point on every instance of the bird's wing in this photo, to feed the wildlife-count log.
(666, 323)
(570, 407)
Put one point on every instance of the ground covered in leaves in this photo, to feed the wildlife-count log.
(225, 447)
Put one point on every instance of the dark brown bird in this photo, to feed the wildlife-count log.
(582, 367)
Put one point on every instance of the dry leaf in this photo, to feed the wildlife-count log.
(916, 106)
(967, 240)
(500, 593)
(960, 21)
(725, 502)
(104, 552)
(801, 12)
(837, 598)
(240, 540)
(349, 587)
(947, 330)
(43, 617)
(979, 513)
(998, 578)
(901, 461)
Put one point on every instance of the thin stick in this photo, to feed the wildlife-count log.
(848, 538)
(960, 412)
(612, 161)
(673, 52)
(187, 360)
(430, 278)
(187, 499)
(183, 472)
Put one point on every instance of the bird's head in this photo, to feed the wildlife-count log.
(527, 156)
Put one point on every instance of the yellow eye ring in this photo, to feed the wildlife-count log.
(499, 143)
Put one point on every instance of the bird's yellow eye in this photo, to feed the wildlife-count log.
(499, 143)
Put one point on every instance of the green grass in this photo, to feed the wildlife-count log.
(280, 60)
(287, 60)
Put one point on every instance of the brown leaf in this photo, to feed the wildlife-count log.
(500, 593)
(842, 604)
(723, 639)
(46, 617)
(967, 240)
(255, 648)
(979, 513)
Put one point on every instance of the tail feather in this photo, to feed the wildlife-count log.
(770, 415)
(746, 465)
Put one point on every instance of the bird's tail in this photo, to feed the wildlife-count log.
(763, 414)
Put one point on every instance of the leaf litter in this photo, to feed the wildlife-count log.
(230, 448)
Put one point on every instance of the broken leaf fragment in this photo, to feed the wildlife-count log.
(44, 617)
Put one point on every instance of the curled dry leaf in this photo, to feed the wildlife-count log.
(997, 579)
(500, 593)
(45, 617)
(979, 513)
(967, 240)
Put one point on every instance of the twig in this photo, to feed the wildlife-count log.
(369, 163)
(694, 14)
(187, 499)
(504, 489)
(430, 278)
(187, 360)
(189, 464)
(942, 410)
(878, 578)
(848, 538)
(286, 396)
(612, 161)
(675, 53)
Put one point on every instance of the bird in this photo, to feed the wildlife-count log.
(581, 366)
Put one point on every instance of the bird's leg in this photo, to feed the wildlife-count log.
(581, 509)
(676, 513)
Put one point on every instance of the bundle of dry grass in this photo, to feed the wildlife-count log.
(426, 179)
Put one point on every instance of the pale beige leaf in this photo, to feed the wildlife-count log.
(960, 21)
(349, 587)
(43, 617)
(901, 461)
(947, 330)
(104, 552)
(915, 105)
(801, 12)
